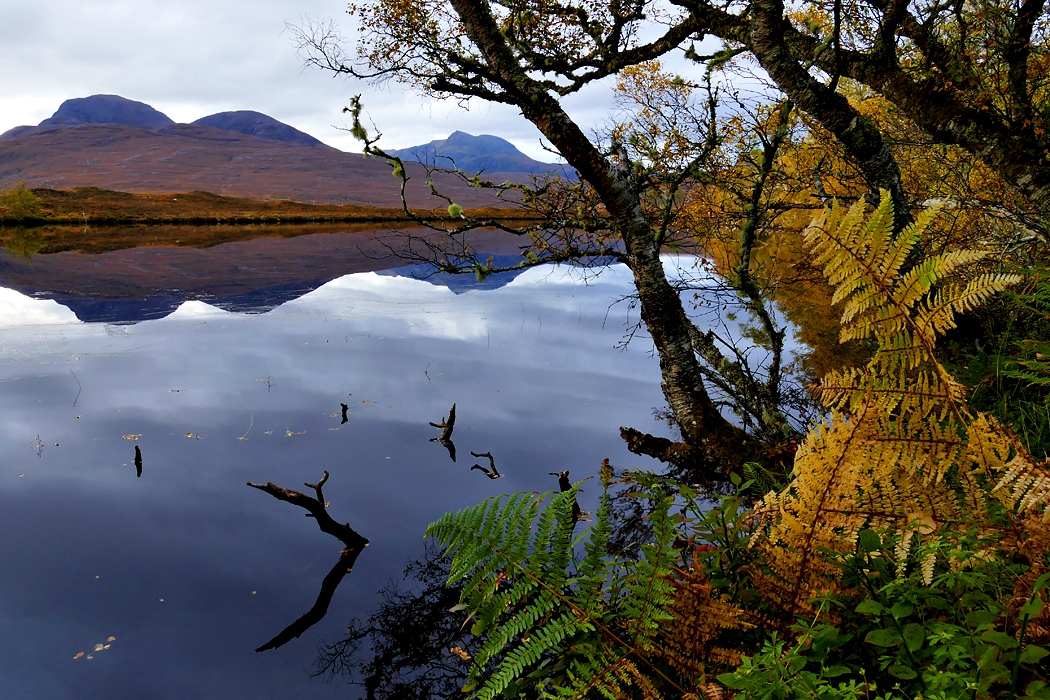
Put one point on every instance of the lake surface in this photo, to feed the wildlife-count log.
(189, 569)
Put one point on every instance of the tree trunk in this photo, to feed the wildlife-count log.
(712, 443)
(860, 137)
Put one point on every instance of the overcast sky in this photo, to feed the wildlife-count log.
(192, 58)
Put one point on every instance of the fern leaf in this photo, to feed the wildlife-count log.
(900, 447)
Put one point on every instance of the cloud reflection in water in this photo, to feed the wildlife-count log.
(531, 367)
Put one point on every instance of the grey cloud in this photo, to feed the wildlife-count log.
(190, 58)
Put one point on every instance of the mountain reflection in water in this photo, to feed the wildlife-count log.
(246, 276)
(189, 570)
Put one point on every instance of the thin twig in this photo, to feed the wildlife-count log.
(79, 388)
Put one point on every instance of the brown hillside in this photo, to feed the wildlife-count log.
(96, 205)
(185, 157)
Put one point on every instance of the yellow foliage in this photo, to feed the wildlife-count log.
(696, 621)
(18, 203)
(900, 449)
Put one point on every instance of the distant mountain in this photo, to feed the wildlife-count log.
(258, 124)
(476, 153)
(186, 157)
(114, 143)
(107, 109)
(114, 109)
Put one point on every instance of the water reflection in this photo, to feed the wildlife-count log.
(253, 270)
(447, 425)
(411, 647)
(491, 472)
(317, 508)
(188, 569)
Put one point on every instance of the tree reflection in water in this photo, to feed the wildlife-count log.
(420, 648)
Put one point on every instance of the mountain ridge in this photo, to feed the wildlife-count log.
(472, 154)
(114, 143)
(107, 109)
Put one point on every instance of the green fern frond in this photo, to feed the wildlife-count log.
(649, 593)
(566, 626)
(515, 554)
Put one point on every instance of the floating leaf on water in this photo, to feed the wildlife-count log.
(110, 639)
(89, 656)
(460, 653)
(80, 654)
(131, 437)
(100, 647)
(21, 474)
(268, 432)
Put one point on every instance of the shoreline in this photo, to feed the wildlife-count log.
(92, 205)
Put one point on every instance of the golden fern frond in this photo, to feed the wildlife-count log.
(862, 260)
(939, 314)
(1022, 484)
(615, 681)
(920, 279)
(901, 450)
(864, 267)
(689, 638)
(631, 676)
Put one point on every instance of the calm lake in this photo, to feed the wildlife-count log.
(231, 364)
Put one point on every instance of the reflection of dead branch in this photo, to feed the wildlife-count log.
(345, 409)
(138, 461)
(492, 465)
(448, 424)
(354, 542)
(565, 485)
(563, 480)
(445, 438)
(320, 608)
